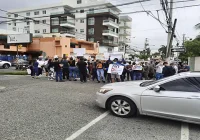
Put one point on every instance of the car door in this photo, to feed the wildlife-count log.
(1, 63)
(179, 98)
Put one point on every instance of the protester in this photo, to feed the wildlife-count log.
(137, 73)
(58, 69)
(65, 68)
(146, 70)
(159, 70)
(115, 76)
(40, 66)
(100, 71)
(168, 70)
(129, 69)
(72, 69)
(82, 66)
(46, 63)
(35, 69)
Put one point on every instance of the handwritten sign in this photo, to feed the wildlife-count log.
(115, 69)
(137, 67)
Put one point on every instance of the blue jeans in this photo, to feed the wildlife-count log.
(100, 73)
(159, 76)
(137, 76)
(59, 75)
(72, 72)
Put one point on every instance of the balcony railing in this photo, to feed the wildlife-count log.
(110, 32)
(66, 22)
(67, 32)
(110, 42)
(103, 11)
(110, 21)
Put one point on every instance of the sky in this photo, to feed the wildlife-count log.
(143, 25)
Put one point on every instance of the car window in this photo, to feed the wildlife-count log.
(183, 85)
(195, 81)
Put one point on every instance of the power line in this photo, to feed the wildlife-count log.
(183, 1)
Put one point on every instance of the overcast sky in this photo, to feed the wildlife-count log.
(143, 26)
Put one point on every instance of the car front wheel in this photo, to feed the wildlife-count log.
(6, 66)
(122, 107)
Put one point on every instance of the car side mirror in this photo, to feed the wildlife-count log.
(156, 88)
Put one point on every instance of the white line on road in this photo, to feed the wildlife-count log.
(83, 129)
(184, 131)
(2, 88)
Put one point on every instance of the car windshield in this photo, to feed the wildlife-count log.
(148, 83)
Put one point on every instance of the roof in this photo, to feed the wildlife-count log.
(38, 8)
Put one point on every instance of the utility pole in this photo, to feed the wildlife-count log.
(169, 29)
(171, 40)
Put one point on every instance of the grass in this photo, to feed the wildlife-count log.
(14, 73)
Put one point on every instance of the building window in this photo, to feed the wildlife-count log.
(9, 15)
(91, 39)
(37, 31)
(54, 30)
(36, 13)
(37, 22)
(76, 11)
(15, 24)
(9, 23)
(16, 15)
(91, 11)
(82, 21)
(14, 29)
(44, 12)
(55, 21)
(44, 21)
(27, 23)
(77, 20)
(91, 31)
(28, 14)
(81, 11)
(79, 1)
(91, 21)
(110, 49)
(44, 30)
(28, 32)
(6, 46)
(81, 30)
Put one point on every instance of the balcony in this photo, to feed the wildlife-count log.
(67, 24)
(67, 33)
(125, 18)
(110, 43)
(124, 33)
(125, 25)
(124, 41)
(110, 23)
(104, 11)
(110, 33)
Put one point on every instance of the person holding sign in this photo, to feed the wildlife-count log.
(137, 71)
(100, 71)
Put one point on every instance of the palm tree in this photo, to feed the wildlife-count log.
(197, 26)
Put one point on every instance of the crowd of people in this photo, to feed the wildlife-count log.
(68, 69)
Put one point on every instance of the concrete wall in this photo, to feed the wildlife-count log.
(194, 63)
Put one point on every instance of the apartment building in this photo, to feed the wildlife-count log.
(91, 20)
(125, 27)
(37, 20)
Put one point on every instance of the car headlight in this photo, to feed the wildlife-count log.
(104, 90)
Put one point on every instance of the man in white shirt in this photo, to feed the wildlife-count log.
(40, 66)
(159, 69)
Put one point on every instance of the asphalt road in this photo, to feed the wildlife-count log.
(38, 109)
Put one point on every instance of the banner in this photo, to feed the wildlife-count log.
(118, 56)
(79, 51)
(100, 57)
(137, 67)
(115, 69)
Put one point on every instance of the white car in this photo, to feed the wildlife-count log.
(5, 64)
(176, 97)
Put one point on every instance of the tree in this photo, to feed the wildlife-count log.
(192, 49)
(163, 51)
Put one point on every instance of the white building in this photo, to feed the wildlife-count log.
(125, 29)
(92, 20)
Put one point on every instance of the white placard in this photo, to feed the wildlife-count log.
(115, 69)
(19, 38)
(79, 51)
(113, 56)
(137, 67)
(100, 57)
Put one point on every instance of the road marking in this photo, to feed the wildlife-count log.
(2, 88)
(184, 131)
(83, 129)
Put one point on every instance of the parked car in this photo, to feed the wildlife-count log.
(5, 64)
(176, 97)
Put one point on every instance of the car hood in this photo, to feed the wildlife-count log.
(123, 84)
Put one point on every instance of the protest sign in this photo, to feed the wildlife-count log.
(100, 57)
(79, 51)
(118, 56)
(115, 69)
(137, 67)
